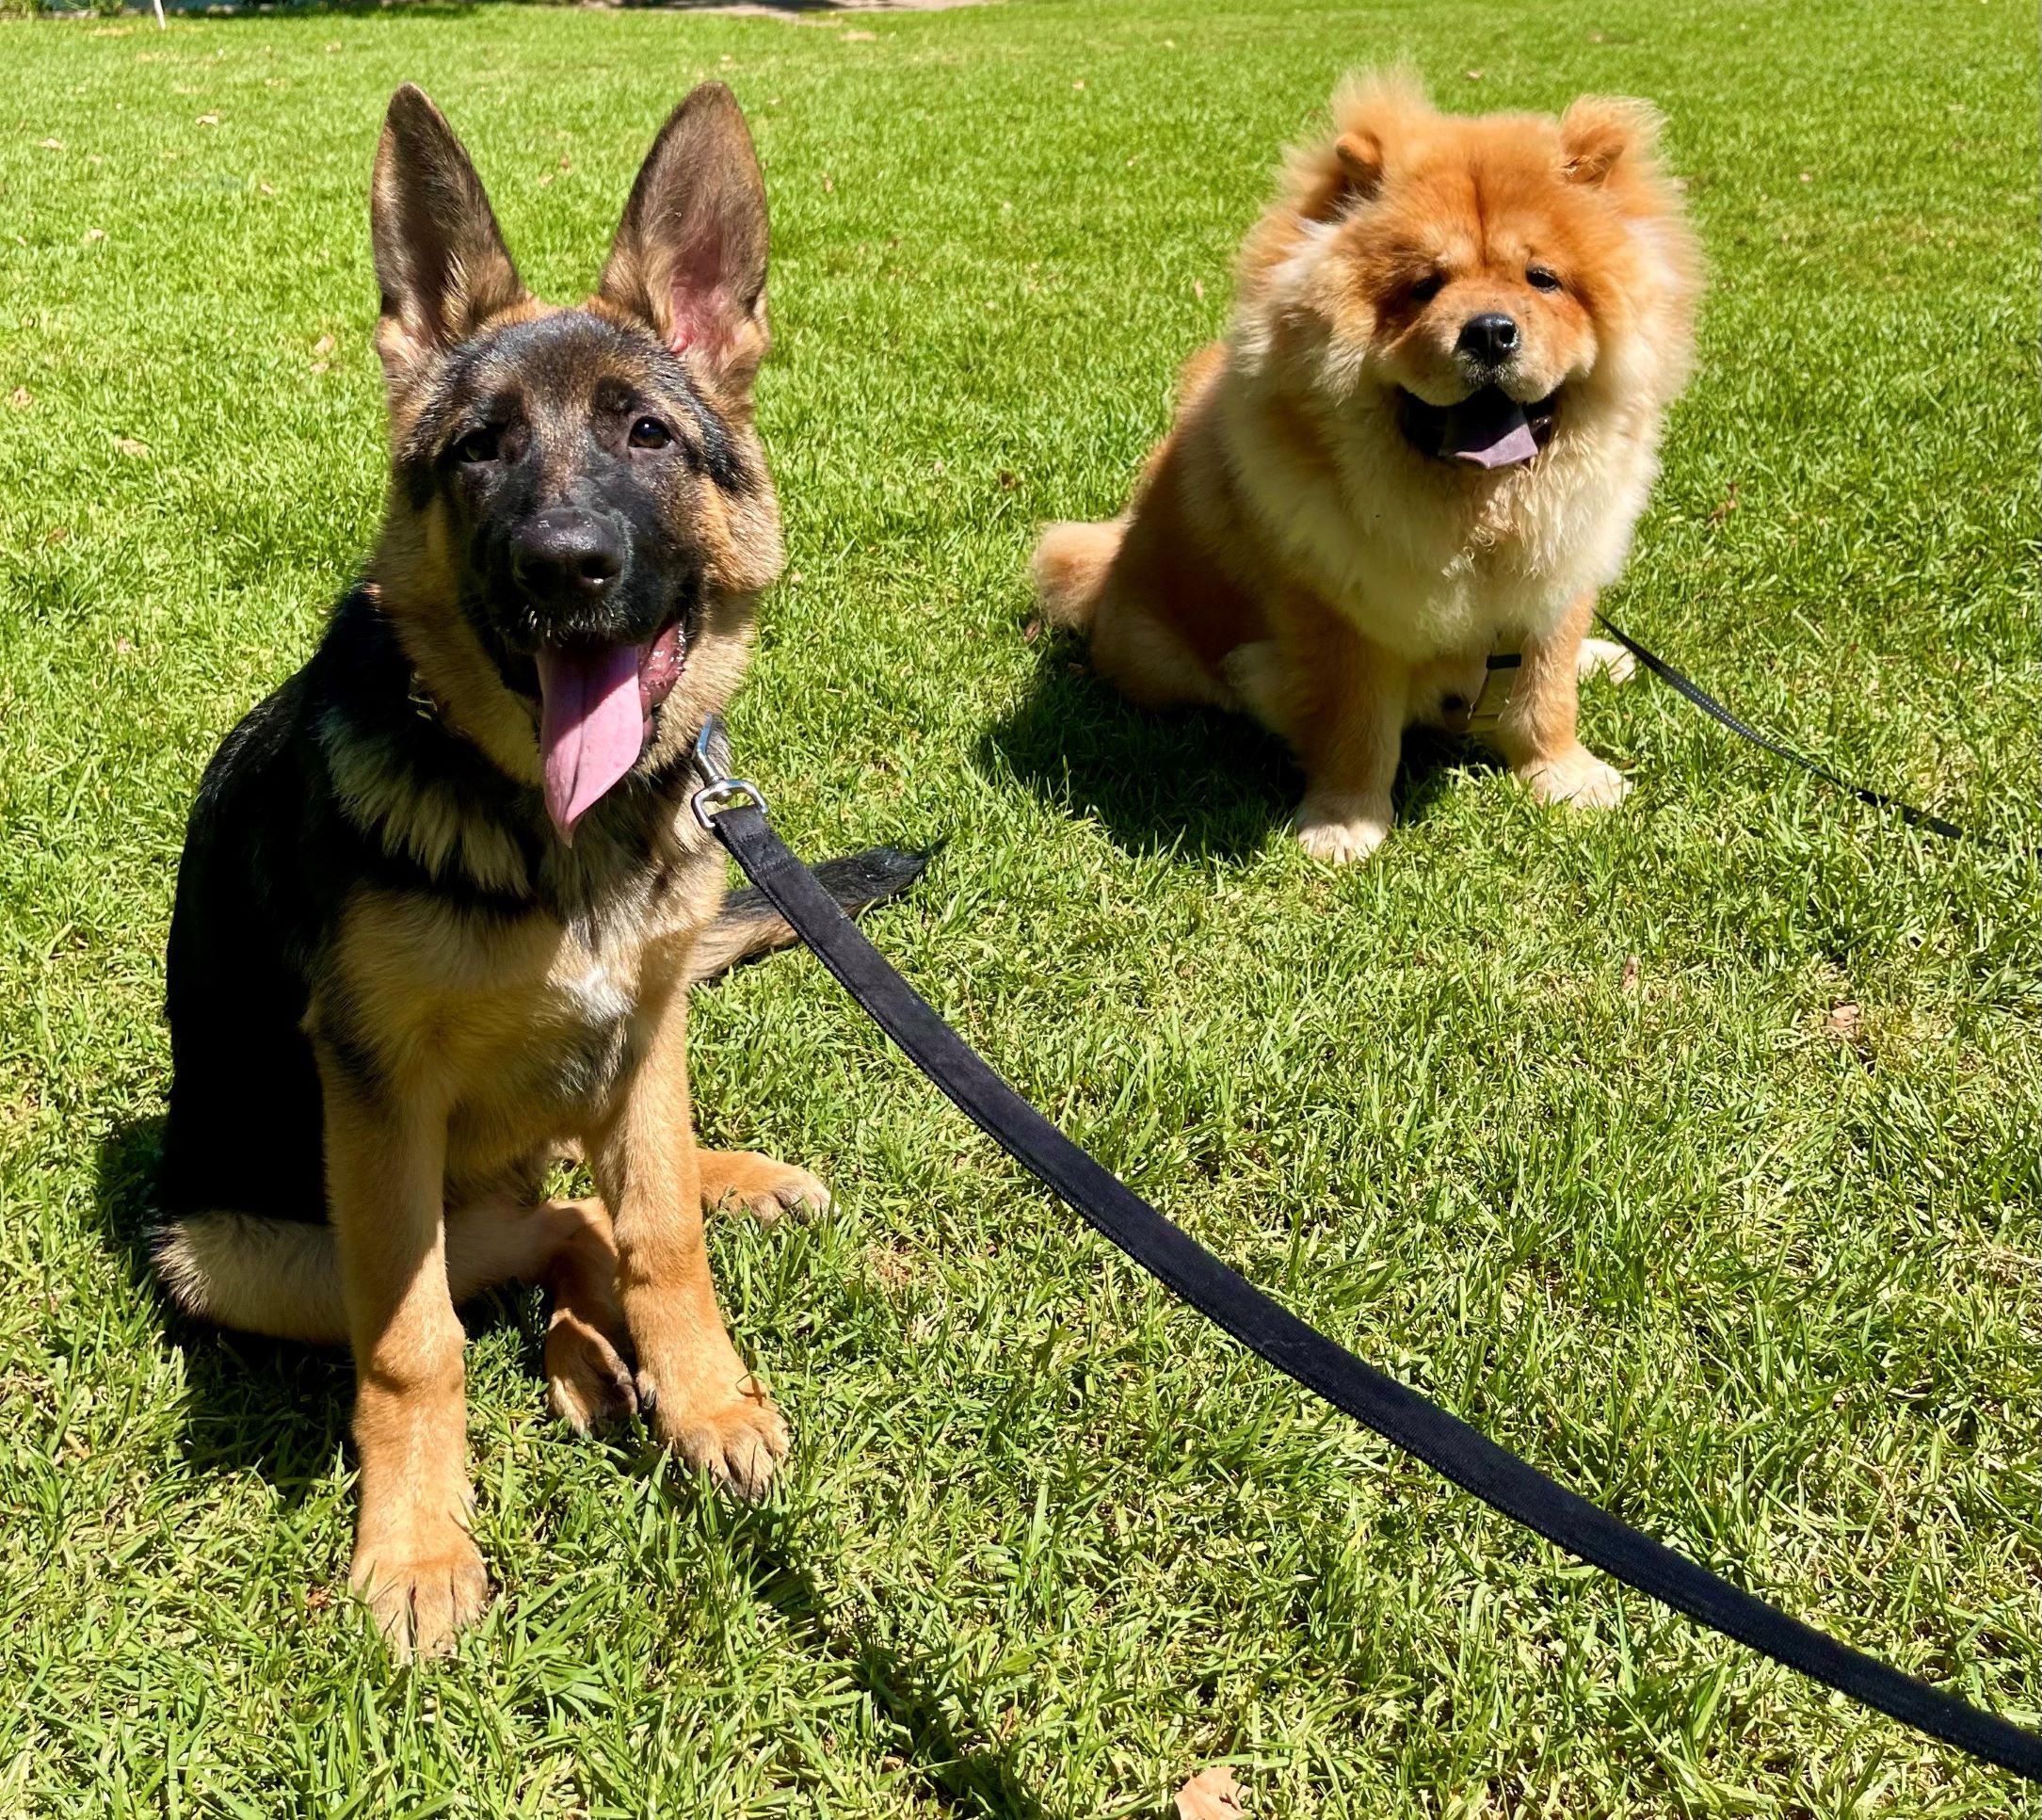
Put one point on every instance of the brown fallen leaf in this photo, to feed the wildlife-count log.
(1031, 632)
(1842, 1021)
(1726, 507)
(208, 120)
(268, 189)
(53, 145)
(21, 398)
(1007, 481)
(1198, 289)
(128, 446)
(95, 234)
(859, 38)
(1211, 1795)
(1475, 76)
(123, 647)
(829, 183)
(1631, 973)
(1079, 84)
(323, 346)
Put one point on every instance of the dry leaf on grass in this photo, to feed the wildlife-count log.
(208, 120)
(1842, 1021)
(128, 446)
(1211, 1795)
(1631, 973)
(21, 398)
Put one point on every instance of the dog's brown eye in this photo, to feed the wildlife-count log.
(1542, 278)
(477, 445)
(1429, 287)
(649, 433)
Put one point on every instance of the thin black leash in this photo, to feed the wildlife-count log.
(734, 811)
(1685, 685)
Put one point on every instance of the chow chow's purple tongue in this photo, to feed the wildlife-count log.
(591, 726)
(1488, 431)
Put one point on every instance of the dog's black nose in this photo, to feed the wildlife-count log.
(1491, 338)
(568, 554)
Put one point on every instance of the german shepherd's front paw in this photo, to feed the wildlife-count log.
(1340, 828)
(739, 1442)
(424, 1591)
(764, 1188)
(1577, 777)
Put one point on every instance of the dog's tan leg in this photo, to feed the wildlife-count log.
(567, 1245)
(415, 1562)
(588, 1378)
(694, 1389)
(1148, 662)
(764, 1188)
(1536, 733)
(1348, 729)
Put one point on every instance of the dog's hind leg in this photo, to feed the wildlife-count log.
(282, 1278)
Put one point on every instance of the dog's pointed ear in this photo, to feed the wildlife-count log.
(689, 257)
(440, 260)
(1600, 133)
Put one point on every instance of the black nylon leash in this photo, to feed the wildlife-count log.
(734, 812)
(1686, 686)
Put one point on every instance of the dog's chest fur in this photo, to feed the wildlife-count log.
(1411, 564)
(526, 1020)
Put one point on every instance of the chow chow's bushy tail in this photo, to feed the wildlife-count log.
(1070, 568)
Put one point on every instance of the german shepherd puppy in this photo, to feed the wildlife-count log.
(442, 894)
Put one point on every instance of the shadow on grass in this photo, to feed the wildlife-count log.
(266, 1405)
(280, 1409)
(966, 1772)
(1193, 782)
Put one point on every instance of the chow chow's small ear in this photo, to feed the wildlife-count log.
(1372, 111)
(440, 260)
(1600, 132)
(1359, 154)
(689, 258)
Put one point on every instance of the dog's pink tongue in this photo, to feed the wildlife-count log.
(591, 726)
(1489, 430)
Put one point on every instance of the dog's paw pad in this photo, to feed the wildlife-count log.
(739, 1444)
(423, 1599)
(1578, 778)
(776, 1191)
(1340, 831)
(1604, 657)
(587, 1382)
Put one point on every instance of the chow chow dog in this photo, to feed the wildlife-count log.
(1423, 442)
(442, 894)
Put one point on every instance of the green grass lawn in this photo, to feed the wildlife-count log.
(1555, 1117)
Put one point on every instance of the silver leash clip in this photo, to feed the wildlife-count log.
(719, 790)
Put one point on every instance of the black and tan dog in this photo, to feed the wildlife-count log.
(441, 895)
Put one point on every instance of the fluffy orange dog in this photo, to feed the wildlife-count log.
(1426, 438)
